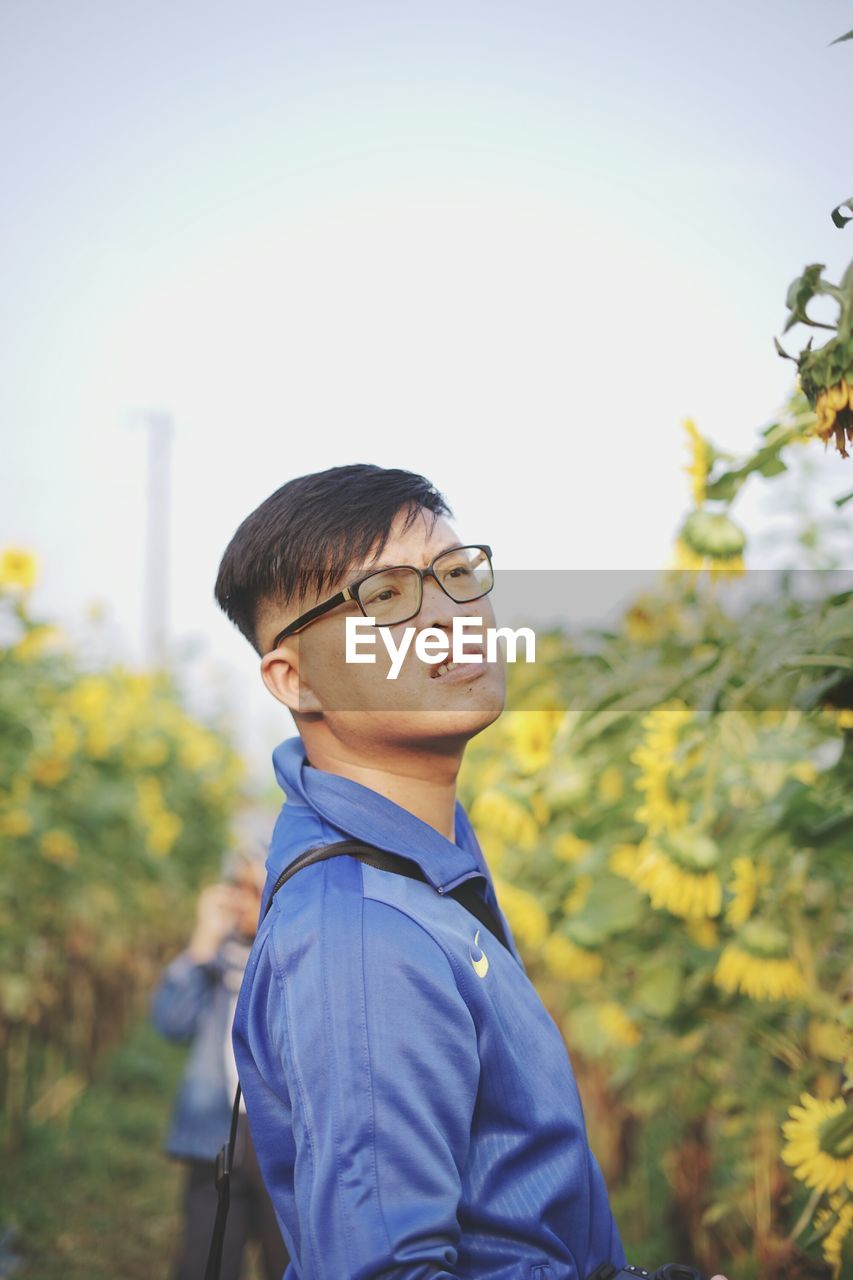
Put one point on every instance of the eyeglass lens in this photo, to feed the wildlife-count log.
(393, 595)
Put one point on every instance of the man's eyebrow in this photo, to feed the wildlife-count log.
(393, 564)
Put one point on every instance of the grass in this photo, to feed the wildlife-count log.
(94, 1197)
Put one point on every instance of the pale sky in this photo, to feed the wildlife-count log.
(510, 246)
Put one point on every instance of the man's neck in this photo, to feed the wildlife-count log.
(426, 787)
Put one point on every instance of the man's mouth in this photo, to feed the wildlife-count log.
(441, 668)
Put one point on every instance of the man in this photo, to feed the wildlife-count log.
(412, 1102)
(194, 1002)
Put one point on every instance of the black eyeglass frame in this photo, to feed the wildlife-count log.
(350, 591)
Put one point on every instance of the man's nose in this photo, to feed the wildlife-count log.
(438, 610)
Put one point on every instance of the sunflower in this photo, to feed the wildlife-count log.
(531, 736)
(664, 874)
(744, 889)
(686, 560)
(759, 965)
(611, 784)
(59, 847)
(701, 457)
(834, 409)
(713, 535)
(506, 817)
(527, 918)
(18, 568)
(820, 1142)
(16, 822)
(576, 897)
(705, 933)
(826, 375)
(47, 770)
(616, 1024)
(838, 1233)
(657, 757)
(564, 959)
(623, 860)
(641, 623)
(830, 1040)
(35, 640)
(570, 848)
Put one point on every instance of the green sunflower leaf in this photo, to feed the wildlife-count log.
(612, 906)
(659, 989)
(800, 293)
(772, 466)
(782, 352)
(837, 216)
(725, 487)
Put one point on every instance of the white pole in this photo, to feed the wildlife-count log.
(156, 605)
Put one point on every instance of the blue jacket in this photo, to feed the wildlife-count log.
(414, 1116)
(193, 1002)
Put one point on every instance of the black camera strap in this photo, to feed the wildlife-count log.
(464, 893)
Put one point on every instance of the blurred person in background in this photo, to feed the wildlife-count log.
(195, 1002)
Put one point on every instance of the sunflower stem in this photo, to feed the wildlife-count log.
(807, 1214)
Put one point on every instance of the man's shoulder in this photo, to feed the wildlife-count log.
(317, 888)
(343, 911)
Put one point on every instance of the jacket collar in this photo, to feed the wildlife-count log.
(356, 811)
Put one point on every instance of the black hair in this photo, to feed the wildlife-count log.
(304, 537)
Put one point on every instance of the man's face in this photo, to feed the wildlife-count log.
(358, 703)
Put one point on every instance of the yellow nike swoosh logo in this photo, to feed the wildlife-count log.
(481, 966)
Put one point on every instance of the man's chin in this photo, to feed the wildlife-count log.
(453, 724)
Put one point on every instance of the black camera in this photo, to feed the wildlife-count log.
(669, 1271)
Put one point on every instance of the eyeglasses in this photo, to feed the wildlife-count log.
(395, 594)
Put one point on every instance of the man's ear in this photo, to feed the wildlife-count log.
(280, 673)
